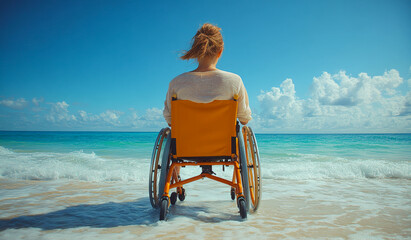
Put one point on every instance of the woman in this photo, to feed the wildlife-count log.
(207, 83)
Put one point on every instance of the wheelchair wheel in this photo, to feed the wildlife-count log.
(244, 171)
(173, 198)
(182, 195)
(242, 207)
(155, 167)
(163, 209)
(232, 193)
(253, 166)
(165, 165)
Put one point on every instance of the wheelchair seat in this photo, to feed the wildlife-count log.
(204, 134)
(203, 129)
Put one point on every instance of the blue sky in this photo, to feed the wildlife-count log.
(308, 66)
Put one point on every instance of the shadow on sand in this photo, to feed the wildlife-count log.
(108, 215)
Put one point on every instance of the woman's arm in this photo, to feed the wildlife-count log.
(244, 111)
(167, 107)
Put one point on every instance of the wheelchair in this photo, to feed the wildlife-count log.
(205, 135)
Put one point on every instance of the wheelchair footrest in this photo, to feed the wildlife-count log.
(207, 169)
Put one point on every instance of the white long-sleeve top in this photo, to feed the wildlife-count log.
(205, 87)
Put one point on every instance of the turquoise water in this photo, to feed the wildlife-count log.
(110, 144)
(283, 156)
(94, 185)
(376, 146)
(131, 144)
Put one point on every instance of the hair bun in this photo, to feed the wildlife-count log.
(209, 29)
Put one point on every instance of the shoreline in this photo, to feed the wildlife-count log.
(289, 209)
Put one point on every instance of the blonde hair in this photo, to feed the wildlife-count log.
(208, 42)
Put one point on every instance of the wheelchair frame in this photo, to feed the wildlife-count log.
(245, 184)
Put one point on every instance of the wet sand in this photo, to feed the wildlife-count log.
(314, 209)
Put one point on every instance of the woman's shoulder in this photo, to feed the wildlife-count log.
(228, 74)
(221, 74)
(231, 78)
(180, 77)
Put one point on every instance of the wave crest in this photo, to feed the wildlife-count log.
(79, 165)
(76, 165)
(337, 168)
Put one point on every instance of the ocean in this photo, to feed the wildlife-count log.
(94, 185)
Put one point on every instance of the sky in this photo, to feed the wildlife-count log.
(308, 66)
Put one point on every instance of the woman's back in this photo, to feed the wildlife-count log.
(205, 87)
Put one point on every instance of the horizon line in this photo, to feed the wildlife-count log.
(279, 133)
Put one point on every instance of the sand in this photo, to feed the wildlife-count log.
(313, 209)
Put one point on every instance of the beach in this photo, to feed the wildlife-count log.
(65, 185)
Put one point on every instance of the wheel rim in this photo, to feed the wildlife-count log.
(253, 167)
(155, 167)
(257, 168)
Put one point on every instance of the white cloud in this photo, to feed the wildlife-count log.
(343, 90)
(111, 116)
(83, 115)
(59, 112)
(406, 110)
(281, 102)
(15, 104)
(37, 101)
(337, 103)
(36, 104)
(86, 117)
(154, 114)
(152, 119)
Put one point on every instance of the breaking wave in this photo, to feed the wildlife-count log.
(79, 165)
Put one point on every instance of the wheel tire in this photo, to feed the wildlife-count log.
(163, 209)
(242, 207)
(165, 165)
(173, 198)
(155, 168)
(244, 171)
(182, 196)
(232, 194)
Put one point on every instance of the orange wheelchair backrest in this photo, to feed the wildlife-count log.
(203, 129)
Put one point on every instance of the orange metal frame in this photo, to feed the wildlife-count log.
(177, 183)
(191, 123)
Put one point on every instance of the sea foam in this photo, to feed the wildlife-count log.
(336, 168)
(79, 165)
(76, 165)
